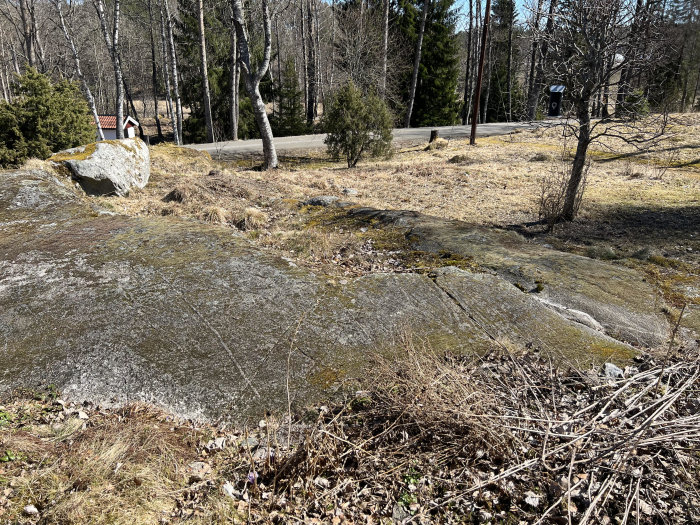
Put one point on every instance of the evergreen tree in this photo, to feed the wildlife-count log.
(42, 119)
(357, 124)
(503, 20)
(436, 101)
(290, 119)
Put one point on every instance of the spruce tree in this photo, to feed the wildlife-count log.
(436, 101)
(290, 119)
(503, 19)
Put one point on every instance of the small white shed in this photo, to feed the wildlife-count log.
(109, 127)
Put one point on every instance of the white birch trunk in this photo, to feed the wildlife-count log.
(252, 78)
(78, 69)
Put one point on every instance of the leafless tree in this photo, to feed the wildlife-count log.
(253, 77)
(78, 70)
(204, 68)
(416, 64)
(112, 43)
(588, 32)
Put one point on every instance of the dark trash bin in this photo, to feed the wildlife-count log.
(556, 93)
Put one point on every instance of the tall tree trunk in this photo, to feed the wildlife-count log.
(204, 69)
(15, 62)
(534, 97)
(385, 49)
(509, 65)
(154, 71)
(166, 69)
(311, 65)
(78, 69)
(4, 80)
(468, 76)
(234, 83)
(252, 78)
(28, 34)
(305, 72)
(489, 60)
(695, 93)
(416, 65)
(38, 47)
(113, 48)
(320, 95)
(533, 52)
(332, 73)
(626, 73)
(176, 74)
(480, 74)
(584, 140)
(279, 65)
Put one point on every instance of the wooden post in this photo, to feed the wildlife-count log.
(434, 135)
(480, 76)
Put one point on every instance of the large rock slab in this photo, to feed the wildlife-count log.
(110, 167)
(594, 292)
(198, 320)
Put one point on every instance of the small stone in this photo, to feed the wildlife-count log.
(217, 444)
(82, 415)
(31, 510)
(198, 471)
(611, 371)
(322, 482)
(532, 499)
(350, 191)
(322, 200)
(230, 490)
(250, 443)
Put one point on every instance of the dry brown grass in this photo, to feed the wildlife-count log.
(431, 438)
(634, 201)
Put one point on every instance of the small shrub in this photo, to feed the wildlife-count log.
(42, 119)
(437, 144)
(541, 157)
(635, 105)
(459, 159)
(251, 219)
(215, 214)
(553, 193)
(357, 124)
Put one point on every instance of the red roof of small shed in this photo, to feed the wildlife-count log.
(110, 122)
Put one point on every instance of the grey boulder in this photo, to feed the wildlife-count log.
(110, 167)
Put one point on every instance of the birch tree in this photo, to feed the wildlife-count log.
(416, 64)
(254, 76)
(112, 44)
(204, 68)
(166, 67)
(78, 69)
(176, 75)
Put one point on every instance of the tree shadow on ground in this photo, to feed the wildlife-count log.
(670, 231)
(640, 152)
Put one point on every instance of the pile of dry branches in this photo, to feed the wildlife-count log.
(503, 437)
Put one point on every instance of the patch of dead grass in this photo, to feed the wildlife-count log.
(497, 183)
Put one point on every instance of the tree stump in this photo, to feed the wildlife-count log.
(434, 135)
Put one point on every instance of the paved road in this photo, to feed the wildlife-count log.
(286, 145)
